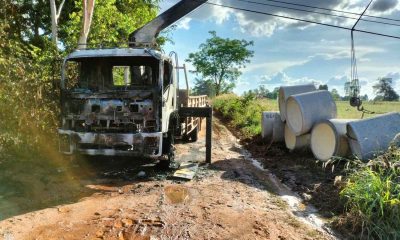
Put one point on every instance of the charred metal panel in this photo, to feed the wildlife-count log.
(89, 143)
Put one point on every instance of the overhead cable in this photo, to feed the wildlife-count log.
(320, 13)
(303, 20)
(333, 10)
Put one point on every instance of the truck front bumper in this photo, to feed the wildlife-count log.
(111, 144)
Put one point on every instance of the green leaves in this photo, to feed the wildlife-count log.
(113, 21)
(372, 196)
(243, 112)
(219, 61)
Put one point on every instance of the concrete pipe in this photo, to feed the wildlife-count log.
(294, 142)
(328, 139)
(371, 136)
(272, 127)
(305, 109)
(286, 91)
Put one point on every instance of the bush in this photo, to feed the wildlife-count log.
(243, 112)
(372, 196)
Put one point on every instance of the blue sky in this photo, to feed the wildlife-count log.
(288, 52)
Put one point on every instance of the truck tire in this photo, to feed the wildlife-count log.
(168, 146)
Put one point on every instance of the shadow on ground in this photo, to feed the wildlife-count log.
(30, 183)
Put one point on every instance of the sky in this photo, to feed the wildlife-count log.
(288, 52)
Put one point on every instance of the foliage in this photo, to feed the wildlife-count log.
(219, 61)
(263, 92)
(27, 92)
(204, 87)
(243, 112)
(112, 21)
(323, 87)
(335, 94)
(372, 196)
(385, 91)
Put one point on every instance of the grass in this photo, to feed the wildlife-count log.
(372, 191)
(348, 112)
(372, 196)
(244, 113)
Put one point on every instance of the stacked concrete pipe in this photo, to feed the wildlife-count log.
(329, 139)
(272, 127)
(294, 142)
(286, 91)
(306, 109)
(371, 136)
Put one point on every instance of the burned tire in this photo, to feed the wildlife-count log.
(168, 150)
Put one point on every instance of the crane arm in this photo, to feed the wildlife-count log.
(147, 34)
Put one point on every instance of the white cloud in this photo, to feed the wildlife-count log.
(281, 78)
(273, 66)
(184, 23)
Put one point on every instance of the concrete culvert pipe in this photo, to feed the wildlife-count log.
(294, 142)
(305, 109)
(272, 127)
(328, 139)
(286, 91)
(371, 136)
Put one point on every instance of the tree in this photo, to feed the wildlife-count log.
(273, 94)
(384, 90)
(87, 15)
(55, 15)
(219, 61)
(335, 94)
(323, 87)
(112, 21)
(88, 8)
(364, 98)
(204, 87)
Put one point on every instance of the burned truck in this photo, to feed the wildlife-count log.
(127, 101)
(123, 102)
(109, 103)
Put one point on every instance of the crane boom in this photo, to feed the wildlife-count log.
(147, 34)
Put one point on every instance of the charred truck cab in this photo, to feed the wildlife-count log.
(117, 102)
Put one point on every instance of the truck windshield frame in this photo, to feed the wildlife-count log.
(99, 74)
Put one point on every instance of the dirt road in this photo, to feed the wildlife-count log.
(230, 199)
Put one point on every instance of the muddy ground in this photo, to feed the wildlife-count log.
(229, 199)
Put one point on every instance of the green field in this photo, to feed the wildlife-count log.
(346, 111)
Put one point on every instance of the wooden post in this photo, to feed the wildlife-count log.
(208, 138)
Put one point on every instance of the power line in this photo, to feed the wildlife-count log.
(303, 20)
(334, 10)
(321, 13)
